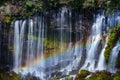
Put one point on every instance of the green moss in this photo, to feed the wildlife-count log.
(5, 76)
(103, 77)
(100, 76)
(55, 79)
(114, 35)
(82, 74)
(69, 78)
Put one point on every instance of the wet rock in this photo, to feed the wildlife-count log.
(2, 17)
(118, 61)
(58, 74)
(5, 68)
(73, 72)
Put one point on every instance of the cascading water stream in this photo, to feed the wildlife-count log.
(113, 58)
(18, 45)
(30, 47)
(96, 37)
(0, 37)
(22, 35)
(101, 62)
(40, 46)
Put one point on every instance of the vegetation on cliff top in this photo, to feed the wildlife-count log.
(22, 9)
(29, 7)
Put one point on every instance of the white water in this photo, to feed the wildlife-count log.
(92, 51)
(30, 47)
(101, 62)
(40, 48)
(18, 45)
(113, 58)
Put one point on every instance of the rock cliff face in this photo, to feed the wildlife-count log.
(6, 57)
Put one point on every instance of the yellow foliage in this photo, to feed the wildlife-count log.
(7, 19)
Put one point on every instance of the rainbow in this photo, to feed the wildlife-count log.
(40, 60)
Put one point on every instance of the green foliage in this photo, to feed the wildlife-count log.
(76, 4)
(116, 77)
(114, 5)
(29, 3)
(82, 74)
(114, 36)
(100, 76)
(0, 2)
(119, 40)
(88, 3)
(7, 19)
(50, 4)
(32, 6)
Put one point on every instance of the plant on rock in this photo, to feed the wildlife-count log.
(82, 74)
(114, 36)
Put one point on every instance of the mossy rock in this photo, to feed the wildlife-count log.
(69, 78)
(56, 79)
(114, 35)
(103, 77)
(82, 75)
(9, 76)
(100, 76)
(30, 77)
(117, 77)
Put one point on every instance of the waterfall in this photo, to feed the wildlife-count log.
(40, 46)
(92, 51)
(30, 44)
(101, 62)
(0, 37)
(113, 58)
(18, 44)
(55, 47)
(16, 47)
